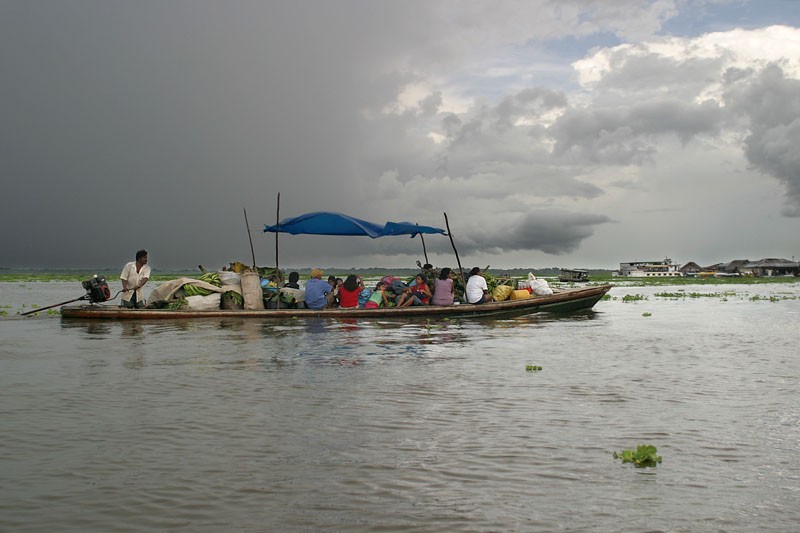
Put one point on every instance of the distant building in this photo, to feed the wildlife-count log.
(649, 269)
(773, 267)
(737, 266)
(690, 269)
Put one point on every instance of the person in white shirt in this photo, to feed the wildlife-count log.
(134, 275)
(477, 290)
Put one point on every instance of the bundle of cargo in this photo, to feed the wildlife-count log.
(500, 288)
(186, 293)
(252, 293)
(231, 283)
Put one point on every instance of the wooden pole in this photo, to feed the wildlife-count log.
(277, 231)
(453, 244)
(424, 250)
(278, 278)
(252, 250)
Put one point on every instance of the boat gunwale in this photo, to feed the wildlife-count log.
(563, 297)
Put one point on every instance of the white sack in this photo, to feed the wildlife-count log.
(541, 288)
(203, 303)
(227, 277)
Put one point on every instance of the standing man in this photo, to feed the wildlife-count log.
(134, 275)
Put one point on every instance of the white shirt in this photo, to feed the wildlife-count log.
(475, 286)
(133, 278)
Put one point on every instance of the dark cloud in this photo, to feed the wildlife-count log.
(651, 75)
(771, 103)
(152, 124)
(552, 231)
(629, 134)
(528, 103)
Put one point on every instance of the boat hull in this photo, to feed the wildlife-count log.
(564, 301)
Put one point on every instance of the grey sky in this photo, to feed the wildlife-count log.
(569, 133)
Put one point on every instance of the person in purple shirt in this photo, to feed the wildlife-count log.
(443, 288)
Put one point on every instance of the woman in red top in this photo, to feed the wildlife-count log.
(419, 294)
(349, 291)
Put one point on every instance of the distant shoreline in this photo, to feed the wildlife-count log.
(595, 276)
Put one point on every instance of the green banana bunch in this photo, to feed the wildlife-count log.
(211, 277)
(235, 296)
(194, 290)
(175, 305)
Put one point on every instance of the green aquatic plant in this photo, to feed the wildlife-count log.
(532, 368)
(647, 313)
(682, 294)
(644, 455)
(673, 295)
(634, 297)
(758, 297)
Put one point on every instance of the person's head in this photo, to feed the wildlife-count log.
(381, 285)
(316, 273)
(339, 282)
(332, 280)
(351, 283)
(445, 273)
(427, 266)
(421, 279)
(141, 257)
(294, 277)
(475, 271)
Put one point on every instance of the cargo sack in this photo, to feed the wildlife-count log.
(541, 288)
(502, 292)
(203, 303)
(227, 277)
(289, 294)
(251, 291)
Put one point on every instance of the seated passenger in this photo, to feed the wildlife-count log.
(419, 294)
(294, 278)
(378, 297)
(335, 284)
(349, 291)
(443, 289)
(477, 290)
(319, 294)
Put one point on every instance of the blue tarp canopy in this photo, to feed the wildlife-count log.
(327, 223)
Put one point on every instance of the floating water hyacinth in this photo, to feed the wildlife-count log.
(532, 368)
(644, 455)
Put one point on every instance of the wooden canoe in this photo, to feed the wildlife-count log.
(563, 301)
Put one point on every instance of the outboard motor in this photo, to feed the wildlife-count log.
(97, 289)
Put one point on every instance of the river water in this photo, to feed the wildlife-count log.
(321, 425)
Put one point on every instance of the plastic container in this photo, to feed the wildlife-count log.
(520, 294)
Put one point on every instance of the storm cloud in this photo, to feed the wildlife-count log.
(771, 103)
(534, 125)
